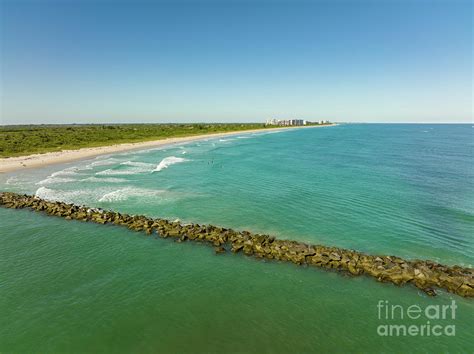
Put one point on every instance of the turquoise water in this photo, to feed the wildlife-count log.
(405, 190)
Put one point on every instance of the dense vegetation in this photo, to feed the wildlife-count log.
(30, 139)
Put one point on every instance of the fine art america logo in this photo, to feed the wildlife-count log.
(415, 320)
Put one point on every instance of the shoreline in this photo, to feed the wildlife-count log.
(12, 164)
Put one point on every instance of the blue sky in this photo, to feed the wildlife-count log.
(228, 61)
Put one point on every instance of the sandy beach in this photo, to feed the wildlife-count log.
(39, 160)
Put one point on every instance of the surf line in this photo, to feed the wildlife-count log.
(424, 274)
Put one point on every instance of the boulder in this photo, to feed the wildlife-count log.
(423, 274)
(219, 249)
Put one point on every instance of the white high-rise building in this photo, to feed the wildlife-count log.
(286, 122)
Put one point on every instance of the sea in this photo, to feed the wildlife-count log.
(385, 189)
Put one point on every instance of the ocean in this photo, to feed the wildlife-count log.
(394, 189)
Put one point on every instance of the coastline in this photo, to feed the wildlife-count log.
(12, 164)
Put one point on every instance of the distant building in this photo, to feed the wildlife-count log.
(320, 122)
(272, 122)
(285, 122)
(293, 122)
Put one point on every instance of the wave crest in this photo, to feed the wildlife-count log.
(128, 192)
(59, 195)
(104, 179)
(137, 164)
(130, 171)
(104, 162)
(52, 180)
(168, 161)
(71, 171)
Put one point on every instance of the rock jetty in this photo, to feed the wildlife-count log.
(424, 274)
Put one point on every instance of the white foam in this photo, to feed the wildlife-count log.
(106, 162)
(46, 194)
(78, 196)
(12, 180)
(127, 192)
(71, 171)
(104, 180)
(136, 167)
(168, 161)
(62, 176)
(138, 164)
(57, 195)
(126, 172)
(21, 180)
(52, 180)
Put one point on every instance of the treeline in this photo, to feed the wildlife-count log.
(30, 139)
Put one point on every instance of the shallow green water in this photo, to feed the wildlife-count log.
(67, 286)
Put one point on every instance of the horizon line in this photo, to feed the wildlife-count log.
(182, 123)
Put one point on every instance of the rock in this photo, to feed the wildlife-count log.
(236, 247)
(423, 274)
(353, 269)
(465, 290)
(335, 256)
(219, 249)
(430, 291)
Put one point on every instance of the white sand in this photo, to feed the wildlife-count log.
(39, 160)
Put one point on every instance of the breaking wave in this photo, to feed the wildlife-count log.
(137, 164)
(71, 171)
(13, 180)
(128, 192)
(104, 180)
(130, 171)
(135, 168)
(62, 176)
(168, 161)
(74, 196)
(106, 162)
(47, 194)
(52, 180)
